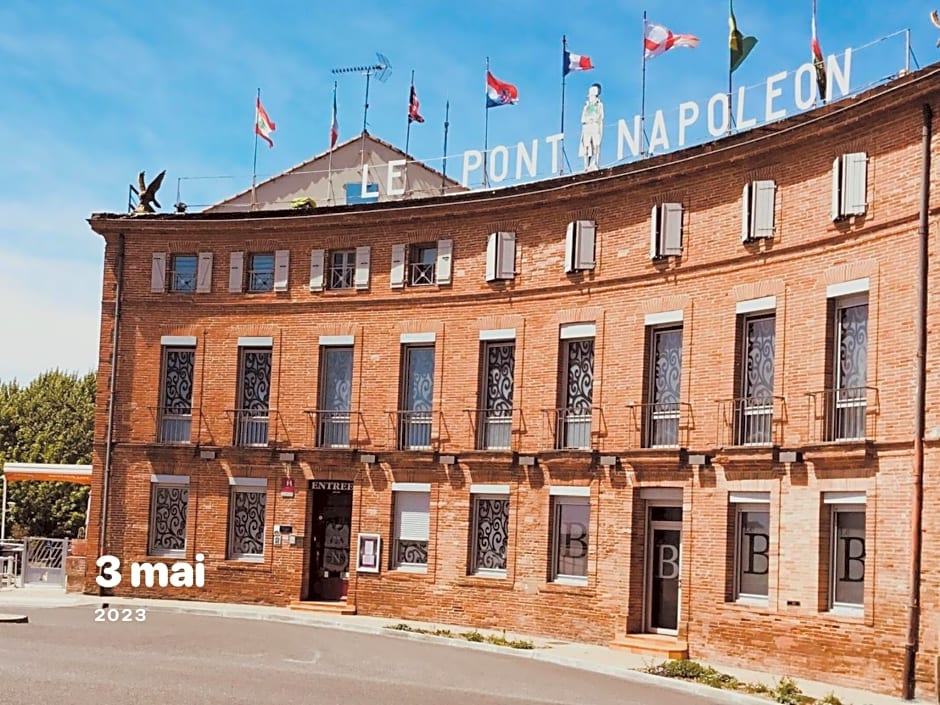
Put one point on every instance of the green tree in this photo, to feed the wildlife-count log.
(51, 420)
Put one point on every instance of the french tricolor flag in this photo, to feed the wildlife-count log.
(499, 92)
(575, 62)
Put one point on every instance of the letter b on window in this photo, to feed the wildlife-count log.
(667, 562)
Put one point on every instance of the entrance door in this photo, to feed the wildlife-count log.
(329, 544)
(663, 568)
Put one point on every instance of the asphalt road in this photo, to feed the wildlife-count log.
(64, 657)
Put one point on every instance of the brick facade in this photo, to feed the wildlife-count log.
(708, 287)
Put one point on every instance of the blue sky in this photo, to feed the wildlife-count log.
(95, 92)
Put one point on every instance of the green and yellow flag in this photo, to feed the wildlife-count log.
(739, 44)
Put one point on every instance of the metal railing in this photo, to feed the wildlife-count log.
(260, 280)
(662, 424)
(174, 426)
(493, 428)
(845, 414)
(747, 421)
(413, 429)
(332, 428)
(342, 276)
(252, 426)
(422, 274)
(573, 429)
(12, 561)
(183, 281)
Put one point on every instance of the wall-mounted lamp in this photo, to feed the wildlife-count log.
(287, 457)
(700, 459)
(528, 460)
(609, 461)
(367, 458)
(207, 454)
(447, 459)
(788, 456)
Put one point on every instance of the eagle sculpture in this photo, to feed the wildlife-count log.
(935, 18)
(147, 194)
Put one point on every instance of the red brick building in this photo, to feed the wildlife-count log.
(671, 404)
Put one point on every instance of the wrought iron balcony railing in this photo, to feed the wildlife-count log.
(413, 429)
(260, 280)
(422, 274)
(252, 426)
(174, 424)
(333, 428)
(342, 276)
(846, 414)
(183, 281)
(573, 428)
(749, 421)
(662, 424)
(494, 428)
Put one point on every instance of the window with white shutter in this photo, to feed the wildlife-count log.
(363, 255)
(758, 204)
(445, 249)
(158, 272)
(398, 266)
(412, 522)
(204, 274)
(316, 270)
(236, 272)
(501, 256)
(849, 185)
(281, 269)
(579, 245)
(666, 230)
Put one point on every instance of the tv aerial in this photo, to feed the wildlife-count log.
(382, 70)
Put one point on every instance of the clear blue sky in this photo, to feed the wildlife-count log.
(96, 91)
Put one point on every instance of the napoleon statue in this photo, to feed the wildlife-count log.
(592, 128)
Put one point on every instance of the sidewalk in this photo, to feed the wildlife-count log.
(590, 657)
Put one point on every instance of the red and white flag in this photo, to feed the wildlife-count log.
(658, 40)
(414, 106)
(819, 63)
(574, 62)
(334, 125)
(263, 125)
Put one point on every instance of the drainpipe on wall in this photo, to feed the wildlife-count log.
(920, 321)
(103, 523)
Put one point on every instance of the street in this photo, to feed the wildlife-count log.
(64, 657)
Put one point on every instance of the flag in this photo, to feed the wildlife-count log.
(263, 125)
(413, 106)
(574, 62)
(818, 63)
(499, 93)
(739, 45)
(334, 124)
(658, 40)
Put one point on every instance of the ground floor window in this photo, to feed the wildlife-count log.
(246, 518)
(751, 512)
(570, 531)
(412, 520)
(490, 534)
(846, 550)
(169, 502)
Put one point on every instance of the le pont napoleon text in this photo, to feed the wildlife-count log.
(179, 574)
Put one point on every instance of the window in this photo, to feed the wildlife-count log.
(336, 366)
(753, 412)
(662, 411)
(666, 230)
(577, 387)
(417, 397)
(752, 545)
(849, 406)
(501, 256)
(246, 518)
(342, 269)
(570, 530)
(169, 501)
(410, 544)
(846, 550)
(579, 245)
(849, 185)
(496, 395)
(176, 395)
(427, 263)
(757, 210)
(183, 276)
(252, 415)
(490, 535)
(421, 263)
(261, 272)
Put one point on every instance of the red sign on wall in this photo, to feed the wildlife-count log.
(287, 487)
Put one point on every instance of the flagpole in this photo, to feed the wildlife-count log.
(643, 140)
(408, 130)
(254, 163)
(564, 76)
(730, 59)
(446, 125)
(486, 126)
(329, 168)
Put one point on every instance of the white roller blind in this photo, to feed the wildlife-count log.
(672, 229)
(765, 194)
(586, 232)
(507, 256)
(412, 510)
(854, 183)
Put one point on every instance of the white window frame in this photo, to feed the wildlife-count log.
(475, 569)
(248, 485)
(174, 258)
(558, 501)
(417, 492)
(844, 503)
(742, 503)
(251, 271)
(166, 481)
(348, 269)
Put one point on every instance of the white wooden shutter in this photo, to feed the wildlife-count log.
(746, 213)
(654, 232)
(236, 276)
(281, 269)
(204, 273)
(492, 256)
(854, 183)
(672, 229)
(507, 256)
(398, 266)
(412, 511)
(586, 231)
(158, 272)
(444, 268)
(837, 188)
(570, 237)
(316, 270)
(363, 256)
(765, 194)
